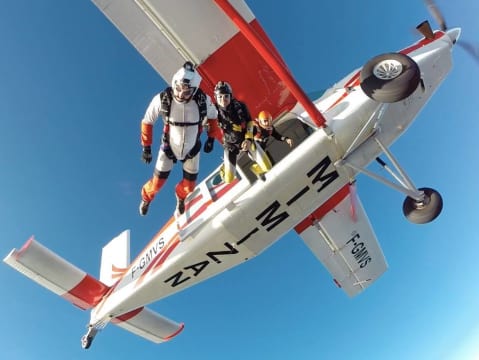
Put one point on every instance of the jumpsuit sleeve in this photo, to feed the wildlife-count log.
(211, 111)
(214, 130)
(151, 116)
(277, 135)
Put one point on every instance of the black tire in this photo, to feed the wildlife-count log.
(86, 342)
(423, 212)
(389, 78)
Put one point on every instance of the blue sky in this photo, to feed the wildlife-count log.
(72, 94)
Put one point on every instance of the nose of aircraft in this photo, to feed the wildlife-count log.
(454, 34)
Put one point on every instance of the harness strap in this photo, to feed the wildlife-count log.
(174, 123)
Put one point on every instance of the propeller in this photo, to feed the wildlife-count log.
(471, 49)
(425, 29)
(436, 14)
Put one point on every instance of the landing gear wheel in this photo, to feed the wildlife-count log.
(389, 78)
(421, 212)
(86, 341)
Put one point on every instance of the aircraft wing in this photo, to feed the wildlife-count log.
(345, 243)
(149, 325)
(56, 274)
(167, 33)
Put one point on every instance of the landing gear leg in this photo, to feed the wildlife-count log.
(87, 339)
(421, 205)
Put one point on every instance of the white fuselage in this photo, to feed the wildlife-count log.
(226, 225)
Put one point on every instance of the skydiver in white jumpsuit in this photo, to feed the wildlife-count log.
(185, 108)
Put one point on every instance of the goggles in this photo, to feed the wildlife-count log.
(184, 91)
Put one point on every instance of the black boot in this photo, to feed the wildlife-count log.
(180, 205)
(144, 205)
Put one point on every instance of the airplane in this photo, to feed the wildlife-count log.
(310, 189)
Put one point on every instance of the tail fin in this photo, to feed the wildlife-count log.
(115, 258)
(56, 274)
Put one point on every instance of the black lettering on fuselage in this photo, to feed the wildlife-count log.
(247, 236)
(297, 195)
(212, 254)
(177, 280)
(196, 268)
(270, 220)
(319, 173)
(148, 256)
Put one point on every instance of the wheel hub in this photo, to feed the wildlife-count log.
(388, 69)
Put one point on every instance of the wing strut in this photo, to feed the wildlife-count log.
(276, 65)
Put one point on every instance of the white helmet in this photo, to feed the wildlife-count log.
(185, 82)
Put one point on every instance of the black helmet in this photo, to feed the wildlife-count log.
(222, 87)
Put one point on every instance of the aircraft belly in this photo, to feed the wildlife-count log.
(196, 258)
(250, 223)
(297, 185)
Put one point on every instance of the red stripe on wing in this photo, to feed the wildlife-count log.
(127, 316)
(252, 79)
(24, 247)
(180, 329)
(323, 209)
(87, 293)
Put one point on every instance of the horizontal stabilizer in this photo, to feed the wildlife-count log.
(344, 241)
(56, 274)
(149, 325)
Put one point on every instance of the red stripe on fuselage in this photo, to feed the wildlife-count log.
(224, 189)
(215, 196)
(196, 214)
(87, 293)
(423, 42)
(323, 209)
(192, 202)
(168, 251)
(160, 259)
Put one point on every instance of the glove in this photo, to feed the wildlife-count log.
(164, 139)
(209, 145)
(246, 145)
(146, 155)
